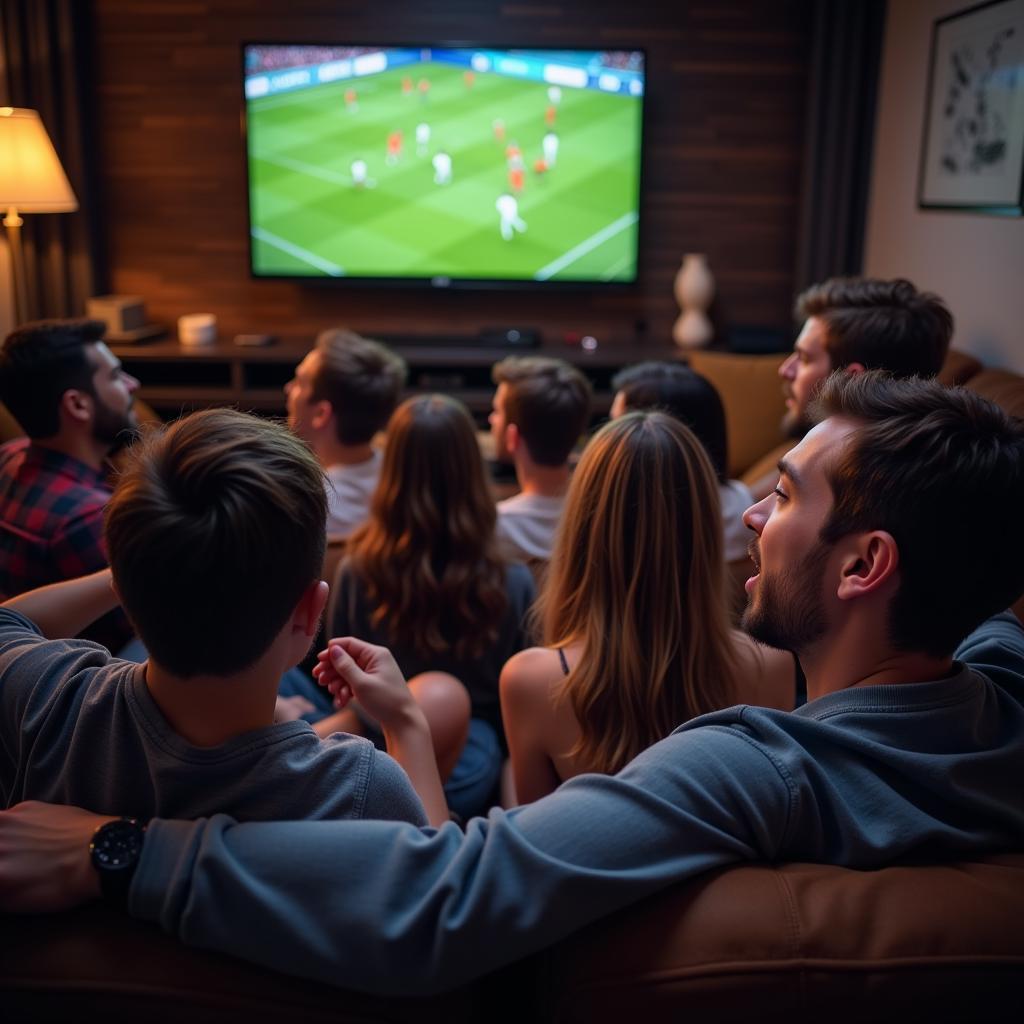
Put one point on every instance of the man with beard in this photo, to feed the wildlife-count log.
(73, 399)
(856, 324)
(884, 556)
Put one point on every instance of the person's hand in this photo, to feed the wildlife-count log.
(290, 709)
(44, 857)
(350, 667)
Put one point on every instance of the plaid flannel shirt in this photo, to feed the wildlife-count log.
(51, 525)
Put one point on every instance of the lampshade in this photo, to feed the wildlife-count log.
(31, 177)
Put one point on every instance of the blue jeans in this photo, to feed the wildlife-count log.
(474, 779)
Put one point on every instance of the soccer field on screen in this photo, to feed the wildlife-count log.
(309, 218)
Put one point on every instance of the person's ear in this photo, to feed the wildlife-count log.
(77, 405)
(869, 564)
(322, 413)
(512, 438)
(306, 620)
(854, 368)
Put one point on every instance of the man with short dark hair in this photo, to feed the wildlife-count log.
(216, 539)
(72, 398)
(343, 392)
(855, 324)
(912, 744)
(539, 411)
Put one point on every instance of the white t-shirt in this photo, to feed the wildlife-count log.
(736, 499)
(349, 489)
(526, 526)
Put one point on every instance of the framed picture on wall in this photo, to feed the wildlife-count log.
(973, 153)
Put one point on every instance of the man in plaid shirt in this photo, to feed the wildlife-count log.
(70, 395)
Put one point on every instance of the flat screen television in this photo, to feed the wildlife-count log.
(447, 166)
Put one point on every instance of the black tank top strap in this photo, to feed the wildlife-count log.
(561, 657)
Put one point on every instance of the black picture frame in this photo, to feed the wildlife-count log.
(972, 157)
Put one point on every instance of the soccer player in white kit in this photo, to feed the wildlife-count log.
(555, 95)
(442, 168)
(422, 138)
(550, 146)
(508, 209)
(359, 173)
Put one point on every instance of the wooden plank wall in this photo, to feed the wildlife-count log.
(724, 137)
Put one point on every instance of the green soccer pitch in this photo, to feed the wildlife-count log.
(309, 218)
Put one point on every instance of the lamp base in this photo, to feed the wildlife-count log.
(12, 222)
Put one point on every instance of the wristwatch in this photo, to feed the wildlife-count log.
(115, 850)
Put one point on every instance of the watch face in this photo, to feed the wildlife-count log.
(117, 845)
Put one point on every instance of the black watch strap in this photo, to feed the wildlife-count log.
(115, 850)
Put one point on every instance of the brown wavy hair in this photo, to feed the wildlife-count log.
(637, 578)
(426, 553)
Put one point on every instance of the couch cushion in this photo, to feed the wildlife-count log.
(96, 963)
(806, 941)
(752, 395)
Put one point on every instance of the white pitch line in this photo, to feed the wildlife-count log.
(615, 268)
(303, 168)
(298, 252)
(587, 245)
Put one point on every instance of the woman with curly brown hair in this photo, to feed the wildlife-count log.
(422, 576)
(634, 614)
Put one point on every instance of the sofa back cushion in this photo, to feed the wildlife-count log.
(805, 941)
(751, 392)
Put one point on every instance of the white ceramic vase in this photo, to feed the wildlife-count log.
(694, 289)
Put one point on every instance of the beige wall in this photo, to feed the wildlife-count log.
(975, 262)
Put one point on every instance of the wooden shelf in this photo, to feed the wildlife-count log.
(175, 377)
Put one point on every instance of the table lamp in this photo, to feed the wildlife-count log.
(31, 181)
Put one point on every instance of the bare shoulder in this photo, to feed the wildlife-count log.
(767, 676)
(530, 675)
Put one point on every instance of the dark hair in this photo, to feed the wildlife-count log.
(942, 470)
(885, 325)
(426, 553)
(216, 528)
(362, 379)
(689, 397)
(39, 362)
(549, 402)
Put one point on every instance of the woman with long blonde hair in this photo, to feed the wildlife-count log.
(634, 614)
(422, 575)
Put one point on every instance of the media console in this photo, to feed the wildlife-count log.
(177, 379)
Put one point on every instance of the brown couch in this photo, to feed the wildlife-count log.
(787, 943)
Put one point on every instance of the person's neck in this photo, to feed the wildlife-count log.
(856, 657)
(330, 452)
(82, 447)
(542, 481)
(207, 710)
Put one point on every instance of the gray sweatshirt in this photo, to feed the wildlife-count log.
(856, 778)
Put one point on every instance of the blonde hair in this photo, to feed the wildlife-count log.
(637, 579)
(426, 553)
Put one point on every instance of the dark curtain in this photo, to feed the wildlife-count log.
(44, 64)
(842, 89)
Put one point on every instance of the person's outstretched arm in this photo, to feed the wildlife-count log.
(62, 610)
(389, 908)
(349, 668)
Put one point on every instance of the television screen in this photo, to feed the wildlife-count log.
(449, 165)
